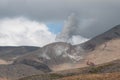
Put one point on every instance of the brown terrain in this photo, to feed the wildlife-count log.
(104, 47)
(106, 76)
(3, 62)
(3, 79)
(106, 71)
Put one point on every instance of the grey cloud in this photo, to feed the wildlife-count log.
(101, 15)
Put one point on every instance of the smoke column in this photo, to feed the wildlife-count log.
(70, 32)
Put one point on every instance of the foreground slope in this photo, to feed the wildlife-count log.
(107, 76)
(9, 69)
(106, 71)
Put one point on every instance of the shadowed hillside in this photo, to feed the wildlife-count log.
(9, 53)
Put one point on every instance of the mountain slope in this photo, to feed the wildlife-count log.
(106, 71)
(106, 47)
(22, 69)
(58, 56)
(111, 34)
(9, 53)
(12, 70)
(62, 56)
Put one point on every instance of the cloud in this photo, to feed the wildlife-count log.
(21, 31)
(77, 39)
(95, 16)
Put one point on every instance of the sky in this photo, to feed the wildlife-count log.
(40, 22)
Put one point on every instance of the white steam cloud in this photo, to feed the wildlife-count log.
(70, 32)
(21, 31)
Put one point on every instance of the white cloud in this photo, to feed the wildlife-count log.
(21, 31)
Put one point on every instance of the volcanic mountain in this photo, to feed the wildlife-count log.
(60, 55)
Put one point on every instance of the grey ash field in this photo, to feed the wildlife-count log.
(60, 61)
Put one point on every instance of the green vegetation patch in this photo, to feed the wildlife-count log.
(99, 69)
(43, 77)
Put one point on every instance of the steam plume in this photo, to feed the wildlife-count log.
(70, 30)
